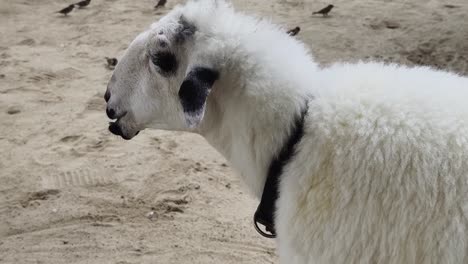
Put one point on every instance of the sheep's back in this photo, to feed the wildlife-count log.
(381, 175)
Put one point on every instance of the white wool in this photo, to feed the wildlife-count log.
(381, 174)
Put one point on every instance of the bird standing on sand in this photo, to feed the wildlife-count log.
(66, 10)
(83, 3)
(324, 11)
(161, 3)
(294, 31)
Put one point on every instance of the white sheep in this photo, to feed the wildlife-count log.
(380, 172)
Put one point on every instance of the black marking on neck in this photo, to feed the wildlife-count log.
(266, 209)
(196, 87)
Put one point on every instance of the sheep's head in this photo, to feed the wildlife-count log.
(162, 81)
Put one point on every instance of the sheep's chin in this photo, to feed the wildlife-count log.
(117, 130)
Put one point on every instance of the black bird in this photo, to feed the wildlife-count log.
(83, 3)
(294, 31)
(161, 3)
(66, 10)
(324, 11)
(111, 62)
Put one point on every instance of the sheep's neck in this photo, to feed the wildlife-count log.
(248, 133)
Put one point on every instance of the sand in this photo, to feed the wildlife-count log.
(70, 192)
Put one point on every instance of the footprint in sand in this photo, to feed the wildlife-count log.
(78, 177)
(68, 139)
(169, 206)
(68, 73)
(48, 75)
(378, 24)
(34, 198)
(26, 42)
(45, 77)
(434, 53)
(166, 147)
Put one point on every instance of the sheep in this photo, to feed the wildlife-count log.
(378, 171)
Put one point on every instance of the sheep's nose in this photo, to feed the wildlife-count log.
(110, 113)
(107, 96)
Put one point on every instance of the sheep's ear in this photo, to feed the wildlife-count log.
(194, 91)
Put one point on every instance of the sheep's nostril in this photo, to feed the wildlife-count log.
(110, 113)
(107, 96)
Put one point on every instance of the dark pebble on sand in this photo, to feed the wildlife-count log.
(391, 24)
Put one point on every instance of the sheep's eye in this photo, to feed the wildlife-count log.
(166, 61)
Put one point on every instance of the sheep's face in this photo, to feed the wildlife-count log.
(157, 83)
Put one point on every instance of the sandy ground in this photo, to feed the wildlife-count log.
(70, 192)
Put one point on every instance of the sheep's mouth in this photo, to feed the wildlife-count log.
(116, 129)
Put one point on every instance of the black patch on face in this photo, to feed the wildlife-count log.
(185, 31)
(196, 87)
(165, 61)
